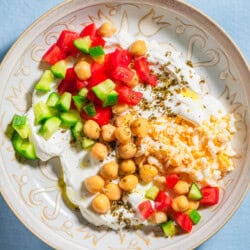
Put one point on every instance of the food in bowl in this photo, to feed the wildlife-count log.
(140, 139)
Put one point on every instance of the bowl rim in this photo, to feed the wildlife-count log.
(170, 4)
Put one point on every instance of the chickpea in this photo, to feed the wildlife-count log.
(127, 166)
(99, 151)
(112, 191)
(123, 120)
(108, 132)
(107, 29)
(140, 127)
(181, 187)
(128, 182)
(127, 151)
(101, 204)
(123, 134)
(119, 108)
(91, 129)
(110, 170)
(180, 203)
(193, 205)
(134, 81)
(94, 184)
(83, 70)
(160, 182)
(158, 217)
(138, 48)
(147, 172)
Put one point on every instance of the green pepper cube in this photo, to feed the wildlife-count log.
(96, 51)
(195, 216)
(111, 99)
(83, 44)
(20, 124)
(44, 84)
(169, 228)
(90, 109)
(103, 89)
(152, 193)
(79, 101)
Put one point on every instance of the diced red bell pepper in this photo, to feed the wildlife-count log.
(98, 41)
(54, 54)
(145, 208)
(210, 195)
(80, 84)
(162, 202)
(122, 74)
(68, 83)
(183, 221)
(128, 96)
(142, 68)
(89, 30)
(66, 42)
(98, 74)
(171, 180)
(93, 98)
(102, 117)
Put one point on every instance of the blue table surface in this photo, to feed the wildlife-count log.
(232, 15)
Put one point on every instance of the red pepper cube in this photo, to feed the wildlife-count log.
(66, 42)
(54, 54)
(97, 75)
(210, 195)
(123, 74)
(98, 41)
(80, 84)
(68, 83)
(89, 30)
(183, 221)
(162, 202)
(145, 208)
(171, 180)
(102, 117)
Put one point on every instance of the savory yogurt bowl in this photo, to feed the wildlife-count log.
(227, 78)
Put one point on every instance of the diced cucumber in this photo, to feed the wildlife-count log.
(77, 130)
(23, 146)
(44, 84)
(64, 102)
(50, 127)
(103, 89)
(42, 112)
(21, 125)
(90, 109)
(152, 192)
(79, 101)
(111, 99)
(194, 192)
(96, 51)
(70, 118)
(169, 228)
(59, 69)
(87, 143)
(83, 44)
(195, 216)
(83, 92)
(53, 99)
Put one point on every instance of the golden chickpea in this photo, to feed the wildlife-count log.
(83, 70)
(123, 134)
(147, 172)
(99, 151)
(107, 29)
(180, 203)
(127, 151)
(108, 132)
(140, 127)
(160, 182)
(91, 129)
(94, 184)
(127, 167)
(109, 170)
(123, 120)
(119, 108)
(112, 191)
(128, 182)
(134, 81)
(193, 205)
(138, 48)
(181, 187)
(101, 204)
(159, 217)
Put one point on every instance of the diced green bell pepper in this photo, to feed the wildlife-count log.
(96, 51)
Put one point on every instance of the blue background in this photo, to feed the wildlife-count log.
(232, 15)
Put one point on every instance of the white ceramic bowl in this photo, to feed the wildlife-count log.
(31, 188)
